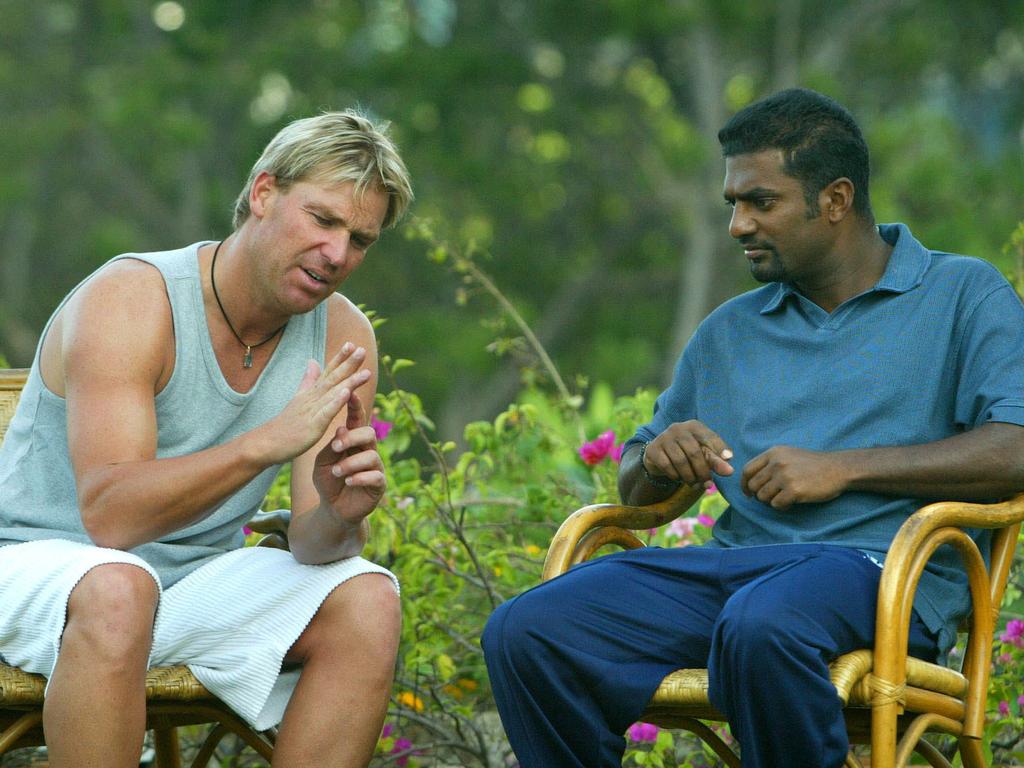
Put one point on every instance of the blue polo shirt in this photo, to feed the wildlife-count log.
(935, 348)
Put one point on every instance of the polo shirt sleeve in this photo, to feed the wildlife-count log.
(678, 402)
(991, 361)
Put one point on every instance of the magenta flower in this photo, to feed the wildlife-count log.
(246, 530)
(643, 732)
(597, 449)
(1014, 633)
(706, 520)
(380, 428)
(387, 730)
(401, 745)
(711, 490)
(1020, 701)
(1004, 708)
(616, 452)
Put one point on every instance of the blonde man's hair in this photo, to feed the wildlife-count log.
(333, 148)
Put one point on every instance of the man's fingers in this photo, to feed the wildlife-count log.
(671, 463)
(346, 439)
(353, 464)
(710, 440)
(310, 376)
(355, 416)
(752, 468)
(344, 363)
(717, 461)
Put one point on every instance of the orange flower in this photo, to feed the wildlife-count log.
(410, 700)
(453, 690)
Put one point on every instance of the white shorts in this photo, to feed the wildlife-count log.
(230, 621)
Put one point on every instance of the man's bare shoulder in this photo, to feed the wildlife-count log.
(119, 318)
(347, 322)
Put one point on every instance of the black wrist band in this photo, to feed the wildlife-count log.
(655, 480)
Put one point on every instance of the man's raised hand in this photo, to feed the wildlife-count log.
(321, 396)
(348, 472)
(689, 452)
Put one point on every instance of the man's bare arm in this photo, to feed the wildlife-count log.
(984, 463)
(115, 333)
(338, 482)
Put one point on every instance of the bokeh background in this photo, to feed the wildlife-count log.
(571, 142)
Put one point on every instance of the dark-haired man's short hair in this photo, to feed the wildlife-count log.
(819, 139)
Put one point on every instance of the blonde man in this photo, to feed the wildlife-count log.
(167, 390)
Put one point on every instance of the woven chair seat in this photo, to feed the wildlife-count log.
(850, 674)
(23, 689)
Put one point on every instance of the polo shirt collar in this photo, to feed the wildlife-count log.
(907, 264)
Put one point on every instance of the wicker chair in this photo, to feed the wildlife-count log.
(891, 700)
(173, 695)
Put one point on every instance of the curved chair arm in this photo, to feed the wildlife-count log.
(274, 523)
(581, 522)
(920, 535)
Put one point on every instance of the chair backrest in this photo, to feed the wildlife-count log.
(12, 381)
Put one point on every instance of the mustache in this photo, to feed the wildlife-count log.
(759, 245)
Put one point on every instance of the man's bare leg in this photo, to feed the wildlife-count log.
(348, 655)
(94, 715)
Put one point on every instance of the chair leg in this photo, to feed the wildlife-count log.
(19, 727)
(930, 753)
(165, 744)
(213, 738)
(971, 753)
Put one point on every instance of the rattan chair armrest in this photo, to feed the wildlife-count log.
(582, 521)
(13, 379)
(919, 537)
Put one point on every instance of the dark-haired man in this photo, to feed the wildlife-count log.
(869, 374)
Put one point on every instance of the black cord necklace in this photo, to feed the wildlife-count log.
(247, 359)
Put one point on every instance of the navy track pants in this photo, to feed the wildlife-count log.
(574, 661)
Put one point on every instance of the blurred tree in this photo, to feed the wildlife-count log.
(574, 141)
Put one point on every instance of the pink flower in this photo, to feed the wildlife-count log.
(641, 732)
(1004, 708)
(380, 428)
(711, 490)
(387, 731)
(682, 527)
(706, 520)
(1014, 633)
(1020, 701)
(597, 449)
(1004, 658)
(616, 452)
(401, 745)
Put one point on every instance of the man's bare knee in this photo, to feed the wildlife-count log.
(111, 611)
(365, 609)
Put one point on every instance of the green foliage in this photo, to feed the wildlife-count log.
(468, 530)
(574, 140)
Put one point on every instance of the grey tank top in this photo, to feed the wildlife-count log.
(196, 410)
